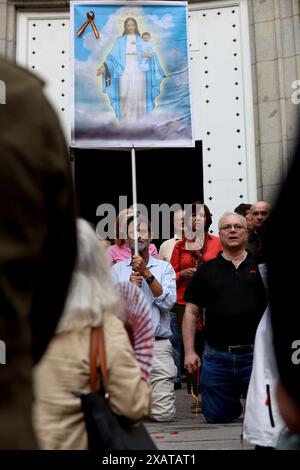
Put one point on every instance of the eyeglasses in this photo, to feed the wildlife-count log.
(227, 227)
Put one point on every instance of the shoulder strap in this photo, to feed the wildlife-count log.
(97, 351)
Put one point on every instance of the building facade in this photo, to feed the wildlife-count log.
(245, 63)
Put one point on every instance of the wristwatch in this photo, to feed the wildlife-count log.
(149, 279)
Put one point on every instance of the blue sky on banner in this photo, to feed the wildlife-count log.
(167, 25)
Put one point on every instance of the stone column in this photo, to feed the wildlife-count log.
(3, 27)
(8, 18)
(275, 44)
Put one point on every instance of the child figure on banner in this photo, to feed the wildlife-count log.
(147, 51)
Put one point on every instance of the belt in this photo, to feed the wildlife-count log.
(159, 338)
(237, 348)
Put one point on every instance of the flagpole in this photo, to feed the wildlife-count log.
(134, 200)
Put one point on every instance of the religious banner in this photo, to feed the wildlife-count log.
(130, 74)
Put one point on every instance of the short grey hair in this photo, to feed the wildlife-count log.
(92, 292)
(241, 217)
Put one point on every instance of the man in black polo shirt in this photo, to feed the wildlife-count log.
(232, 293)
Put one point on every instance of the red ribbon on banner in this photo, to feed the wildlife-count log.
(90, 20)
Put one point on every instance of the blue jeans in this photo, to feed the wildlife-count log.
(225, 376)
(176, 341)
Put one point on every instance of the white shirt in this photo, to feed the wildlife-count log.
(160, 306)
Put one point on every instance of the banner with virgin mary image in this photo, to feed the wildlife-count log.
(130, 74)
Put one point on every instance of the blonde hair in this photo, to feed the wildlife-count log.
(92, 292)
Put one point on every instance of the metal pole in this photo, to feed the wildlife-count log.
(134, 200)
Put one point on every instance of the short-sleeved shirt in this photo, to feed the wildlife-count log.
(234, 300)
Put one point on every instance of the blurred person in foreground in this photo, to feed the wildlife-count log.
(284, 301)
(262, 421)
(65, 367)
(37, 243)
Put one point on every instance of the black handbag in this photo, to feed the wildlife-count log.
(105, 429)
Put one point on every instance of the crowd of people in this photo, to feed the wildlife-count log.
(197, 311)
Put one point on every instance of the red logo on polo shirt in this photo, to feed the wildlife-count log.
(253, 271)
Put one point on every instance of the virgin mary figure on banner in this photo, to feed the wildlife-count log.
(131, 74)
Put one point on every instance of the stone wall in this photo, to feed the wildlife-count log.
(275, 49)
